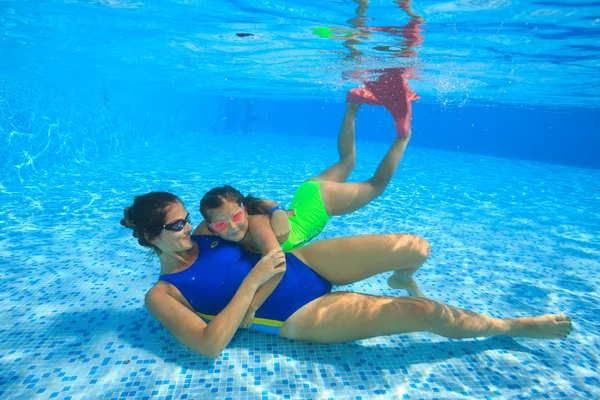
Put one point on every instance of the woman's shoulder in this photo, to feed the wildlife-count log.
(156, 293)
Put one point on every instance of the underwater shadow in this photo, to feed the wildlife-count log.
(111, 338)
(129, 335)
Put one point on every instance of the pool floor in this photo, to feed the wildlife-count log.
(508, 237)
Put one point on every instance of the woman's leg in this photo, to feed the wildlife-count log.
(343, 317)
(351, 259)
(341, 170)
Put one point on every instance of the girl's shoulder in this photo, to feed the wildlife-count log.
(258, 219)
(202, 229)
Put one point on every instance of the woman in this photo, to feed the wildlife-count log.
(207, 284)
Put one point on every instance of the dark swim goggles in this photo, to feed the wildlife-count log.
(177, 225)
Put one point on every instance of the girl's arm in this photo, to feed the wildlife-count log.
(212, 338)
(263, 236)
(279, 221)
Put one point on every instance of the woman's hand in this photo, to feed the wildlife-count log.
(280, 225)
(267, 267)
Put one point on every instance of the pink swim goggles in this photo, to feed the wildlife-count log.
(235, 217)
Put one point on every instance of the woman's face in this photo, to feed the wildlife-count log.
(230, 221)
(170, 240)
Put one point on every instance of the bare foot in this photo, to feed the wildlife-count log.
(405, 282)
(550, 326)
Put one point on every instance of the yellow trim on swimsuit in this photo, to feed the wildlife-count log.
(259, 324)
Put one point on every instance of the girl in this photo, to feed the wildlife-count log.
(262, 225)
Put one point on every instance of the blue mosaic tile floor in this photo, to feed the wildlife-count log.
(509, 238)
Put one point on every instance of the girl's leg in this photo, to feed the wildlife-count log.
(343, 317)
(351, 259)
(345, 198)
(341, 170)
(396, 96)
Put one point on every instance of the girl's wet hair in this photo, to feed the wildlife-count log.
(216, 197)
(146, 216)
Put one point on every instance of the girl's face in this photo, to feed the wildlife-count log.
(230, 221)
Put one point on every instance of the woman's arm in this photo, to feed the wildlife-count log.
(264, 238)
(212, 338)
(190, 330)
(280, 225)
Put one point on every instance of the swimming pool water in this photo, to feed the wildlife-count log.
(509, 238)
(466, 51)
(101, 100)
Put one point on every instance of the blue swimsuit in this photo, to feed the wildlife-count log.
(211, 281)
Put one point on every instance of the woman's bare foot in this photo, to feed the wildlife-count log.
(405, 282)
(550, 326)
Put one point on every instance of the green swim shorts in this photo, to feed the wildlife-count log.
(310, 216)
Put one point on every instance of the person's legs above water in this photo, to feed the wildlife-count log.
(343, 261)
(343, 317)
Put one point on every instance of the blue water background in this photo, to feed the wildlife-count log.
(511, 79)
(101, 100)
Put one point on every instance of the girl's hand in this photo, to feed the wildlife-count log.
(248, 319)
